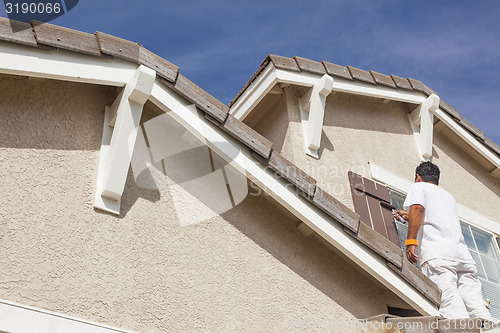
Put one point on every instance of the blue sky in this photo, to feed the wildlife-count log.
(451, 46)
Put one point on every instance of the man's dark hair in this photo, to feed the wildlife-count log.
(429, 172)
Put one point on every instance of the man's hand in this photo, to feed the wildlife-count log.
(401, 213)
(410, 254)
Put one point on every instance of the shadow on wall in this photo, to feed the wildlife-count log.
(49, 114)
(366, 113)
(276, 232)
(462, 157)
(325, 144)
(132, 193)
(58, 118)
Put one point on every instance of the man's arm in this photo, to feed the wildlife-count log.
(417, 213)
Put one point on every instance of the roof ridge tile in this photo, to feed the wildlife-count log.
(199, 97)
(471, 128)
(284, 63)
(118, 47)
(383, 79)
(448, 109)
(23, 32)
(337, 70)
(361, 75)
(333, 207)
(311, 66)
(164, 68)
(401, 82)
(419, 86)
(65, 38)
(289, 171)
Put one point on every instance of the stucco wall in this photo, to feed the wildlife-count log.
(248, 269)
(360, 130)
(471, 184)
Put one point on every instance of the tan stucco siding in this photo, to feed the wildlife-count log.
(248, 269)
(471, 184)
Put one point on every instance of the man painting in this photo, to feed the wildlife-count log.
(444, 257)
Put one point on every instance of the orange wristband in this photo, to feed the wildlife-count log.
(411, 242)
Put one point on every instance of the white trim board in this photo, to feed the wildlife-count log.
(240, 157)
(271, 75)
(403, 185)
(20, 318)
(63, 65)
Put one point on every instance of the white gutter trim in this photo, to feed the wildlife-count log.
(63, 65)
(377, 91)
(470, 139)
(254, 93)
(240, 157)
(20, 318)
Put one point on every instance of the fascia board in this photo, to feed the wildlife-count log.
(64, 65)
(255, 93)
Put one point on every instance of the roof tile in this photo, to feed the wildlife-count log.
(327, 203)
(489, 143)
(292, 173)
(418, 280)
(380, 244)
(383, 79)
(263, 66)
(337, 70)
(64, 38)
(200, 97)
(401, 83)
(164, 68)
(449, 109)
(248, 136)
(476, 131)
(312, 66)
(361, 75)
(23, 32)
(118, 47)
(419, 86)
(284, 63)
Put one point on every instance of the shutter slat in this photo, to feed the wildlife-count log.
(392, 232)
(359, 198)
(383, 193)
(378, 223)
(372, 203)
(373, 189)
(361, 207)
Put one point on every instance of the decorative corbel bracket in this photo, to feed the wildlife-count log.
(422, 123)
(312, 112)
(121, 124)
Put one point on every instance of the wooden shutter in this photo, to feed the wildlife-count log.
(373, 204)
(498, 242)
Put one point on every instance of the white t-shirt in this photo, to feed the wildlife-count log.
(440, 235)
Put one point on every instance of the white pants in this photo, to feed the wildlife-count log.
(460, 288)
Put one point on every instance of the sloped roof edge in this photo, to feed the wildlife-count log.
(48, 36)
(299, 64)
